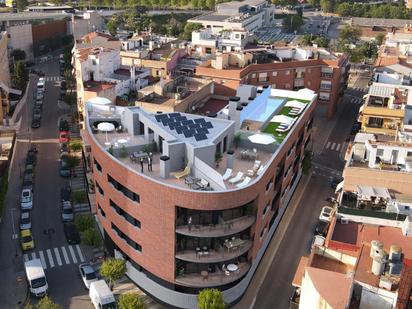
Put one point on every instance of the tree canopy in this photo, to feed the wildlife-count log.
(130, 301)
(113, 269)
(210, 299)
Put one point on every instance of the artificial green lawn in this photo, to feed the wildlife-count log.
(271, 129)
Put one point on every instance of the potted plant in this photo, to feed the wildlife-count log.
(110, 149)
(123, 151)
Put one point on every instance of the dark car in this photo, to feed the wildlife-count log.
(35, 123)
(71, 233)
(335, 181)
(36, 113)
(64, 147)
(64, 125)
(31, 157)
(321, 228)
(355, 128)
(63, 84)
(27, 184)
(65, 194)
(64, 169)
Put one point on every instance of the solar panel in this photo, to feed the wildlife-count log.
(181, 118)
(159, 117)
(209, 125)
(174, 115)
(200, 120)
(179, 130)
(200, 137)
(202, 130)
(172, 125)
(187, 133)
(192, 125)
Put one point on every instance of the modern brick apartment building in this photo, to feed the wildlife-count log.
(281, 68)
(203, 214)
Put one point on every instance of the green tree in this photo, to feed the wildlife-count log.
(72, 162)
(22, 4)
(210, 299)
(21, 76)
(130, 301)
(112, 27)
(210, 4)
(306, 39)
(344, 9)
(326, 5)
(321, 41)
(108, 3)
(350, 34)
(91, 237)
(96, 3)
(47, 303)
(18, 54)
(75, 145)
(57, 2)
(379, 39)
(188, 29)
(314, 3)
(113, 269)
(195, 3)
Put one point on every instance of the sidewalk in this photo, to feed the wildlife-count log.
(249, 298)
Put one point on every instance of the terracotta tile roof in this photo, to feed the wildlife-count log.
(88, 37)
(97, 87)
(335, 288)
(405, 288)
(297, 279)
(363, 272)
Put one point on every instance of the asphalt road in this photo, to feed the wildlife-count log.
(276, 287)
(60, 259)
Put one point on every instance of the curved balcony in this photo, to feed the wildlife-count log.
(223, 229)
(213, 256)
(217, 278)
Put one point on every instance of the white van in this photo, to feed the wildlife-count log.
(36, 277)
(41, 84)
(101, 296)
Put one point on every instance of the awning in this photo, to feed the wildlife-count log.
(368, 191)
(339, 186)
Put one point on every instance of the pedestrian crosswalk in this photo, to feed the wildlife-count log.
(52, 78)
(333, 146)
(355, 100)
(58, 256)
(360, 89)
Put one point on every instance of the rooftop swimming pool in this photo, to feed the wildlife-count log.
(262, 108)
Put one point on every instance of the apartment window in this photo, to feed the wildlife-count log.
(375, 122)
(269, 184)
(289, 151)
(126, 192)
(265, 210)
(324, 96)
(253, 75)
(274, 73)
(299, 83)
(379, 152)
(325, 85)
(263, 77)
(262, 233)
(129, 218)
(237, 35)
(287, 72)
(208, 50)
(126, 238)
(97, 165)
(99, 188)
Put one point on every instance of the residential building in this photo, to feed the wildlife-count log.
(82, 24)
(100, 74)
(285, 68)
(217, 187)
(246, 15)
(98, 39)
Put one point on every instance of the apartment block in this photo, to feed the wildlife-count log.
(247, 15)
(191, 201)
(284, 68)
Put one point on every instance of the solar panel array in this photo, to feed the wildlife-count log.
(197, 128)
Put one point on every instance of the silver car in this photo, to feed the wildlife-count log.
(67, 212)
(25, 220)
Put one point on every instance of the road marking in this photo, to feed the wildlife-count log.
(72, 254)
(33, 255)
(57, 254)
(43, 261)
(49, 255)
(327, 145)
(338, 147)
(66, 257)
(26, 257)
(333, 146)
(79, 252)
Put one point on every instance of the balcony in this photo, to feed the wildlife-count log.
(214, 256)
(326, 75)
(213, 279)
(225, 228)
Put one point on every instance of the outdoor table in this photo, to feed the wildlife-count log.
(232, 267)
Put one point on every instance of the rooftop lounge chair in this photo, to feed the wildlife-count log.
(227, 174)
(184, 173)
(244, 182)
(237, 178)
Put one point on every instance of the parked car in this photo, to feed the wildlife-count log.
(64, 169)
(67, 212)
(88, 274)
(25, 221)
(64, 126)
(31, 157)
(26, 240)
(26, 199)
(36, 113)
(62, 94)
(39, 95)
(71, 233)
(318, 240)
(355, 128)
(65, 194)
(64, 147)
(326, 214)
(29, 169)
(27, 184)
(63, 84)
(64, 137)
(335, 181)
(35, 124)
(321, 228)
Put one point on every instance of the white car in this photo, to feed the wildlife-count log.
(25, 222)
(326, 214)
(26, 199)
(318, 240)
(88, 274)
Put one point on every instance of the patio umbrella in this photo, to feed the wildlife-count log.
(100, 101)
(264, 139)
(282, 119)
(106, 127)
